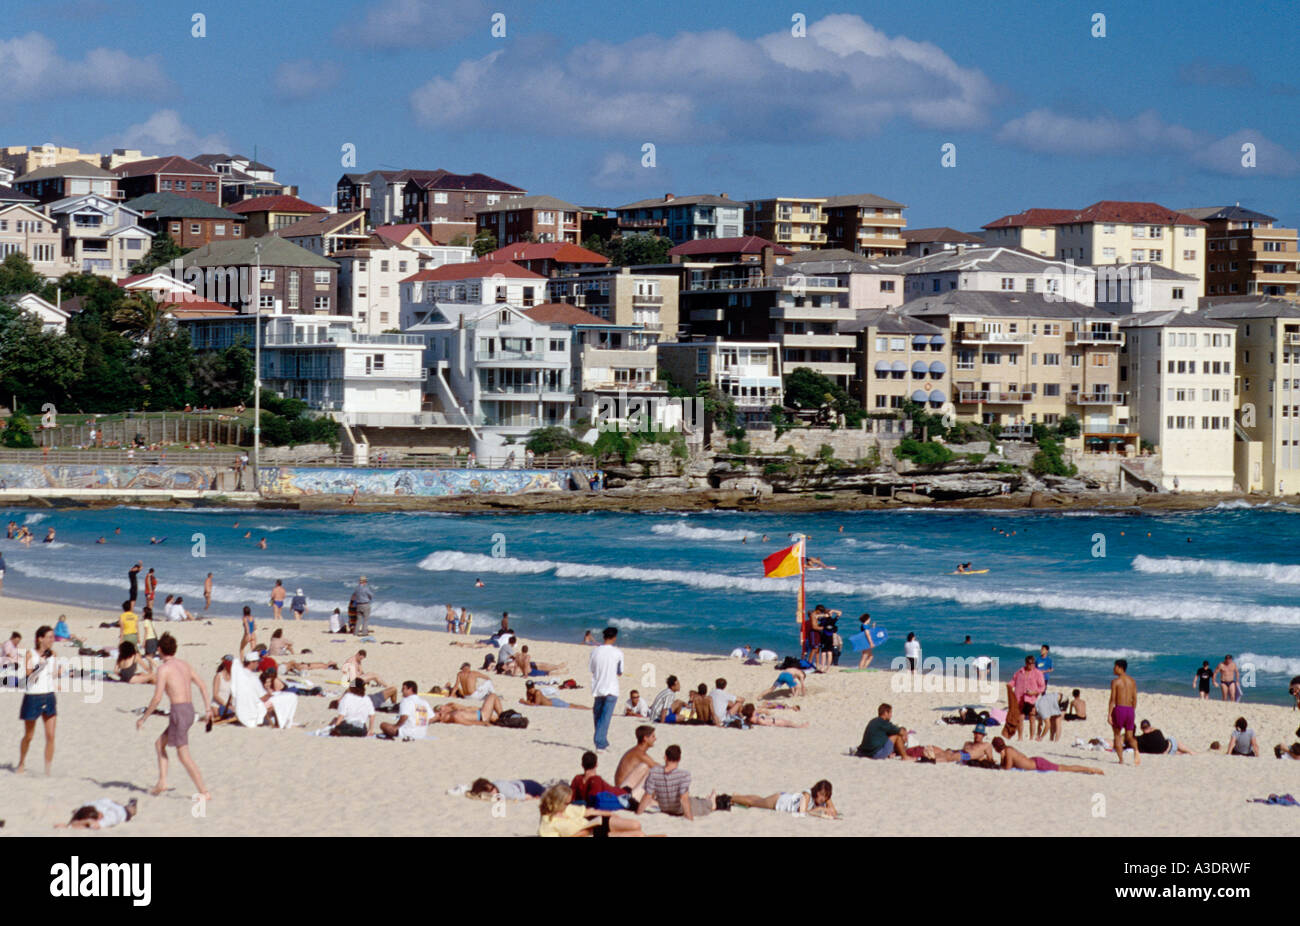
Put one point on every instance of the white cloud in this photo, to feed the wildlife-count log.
(618, 170)
(417, 23)
(304, 78)
(844, 80)
(1046, 131)
(161, 134)
(34, 70)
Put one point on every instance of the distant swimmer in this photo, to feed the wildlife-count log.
(962, 567)
(101, 540)
(248, 535)
(207, 592)
(813, 562)
(117, 530)
(157, 540)
(765, 538)
(478, 583)
(261, 544)
(49, 536)
(967, 641)
(236, 524)
(841, 528)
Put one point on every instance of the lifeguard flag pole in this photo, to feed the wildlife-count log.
(789, 562)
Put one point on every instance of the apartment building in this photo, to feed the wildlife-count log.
(268, 214)
(746, 249)
(550, 260)
(1109, 232)
(25, 231)
(1127, 288)
(504, 371)
(922, 241)
(189, 222)
(1178, 371)
(23, 159)
(868, 225)
(795, 222)
(1246, 253)
(995, 269)
(367, 379)
(327, 232)
(100, 236)
(684, 218)
(1268, 389)
(371, 274)
(646, 302)
(477, 283)
(748, 372)
(444, 203)
(543, 219)
(244, 178)
(872, 284)
(899, 358)
(68, 178)
(1020, 358)
(289, 280)
(177, 175)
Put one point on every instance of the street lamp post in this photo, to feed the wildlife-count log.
(257, 368)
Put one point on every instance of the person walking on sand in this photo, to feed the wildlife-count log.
(1122, 711)
(39, 681)
(1229, 684)
(207, 592)
(606, 665)
(277, 599)
(175, 677)
(362, 597)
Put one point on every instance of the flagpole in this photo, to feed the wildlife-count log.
(803, 556)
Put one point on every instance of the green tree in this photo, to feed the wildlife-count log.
(1069, 427)
(807, 389)
(36, 366)
(1050, 460)
(224, 379)
(17, 278)
(140, 316)
(18, 431)
(554, 440)
(484, 243)
(165, 369)
(460, 241)
(633, 250)
(161, 253)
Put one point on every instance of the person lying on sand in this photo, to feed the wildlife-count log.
(510, 789)
(559, 816)
(533, 695)
(99, 815)
(756, 718)
(1152, 742)
(815, 802)
(527, 667)
(469, 716)
(1013, 758)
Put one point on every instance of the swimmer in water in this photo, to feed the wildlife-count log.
(117, 530)
(248, 535)
(101, 540)
(236, 524)
(157, 540)
(261, 544)
(49, 536)
(478, 583)
(814, 562)
(744, 539)
(765, 538)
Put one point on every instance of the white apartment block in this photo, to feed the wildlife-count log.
(994, 270)
(1179, 372)
(1126, 288)
(480, 283)
(749, 373)
(370, 280)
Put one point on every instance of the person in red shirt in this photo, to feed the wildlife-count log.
(587, 785)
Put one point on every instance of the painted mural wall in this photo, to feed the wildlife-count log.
(291, 480)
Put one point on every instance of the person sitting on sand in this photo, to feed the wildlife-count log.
(533, 695)
(356, 713)
(510, 789)
(668, 786)
(589, 640)
(225, 712)
(560, 817)
(815, 802)
(883, 739)
(702, 706)
(1078, 709)
(414, 715)
(1287, 752)
(1013, 758)
(1152, 742)
(755, 718)
(279, 646)
(587, 785)
(527, 667)
(666, 704)
(1241, 741)
(636, 763)
(131, 667)
(471, 685)
(790, 680)
(469, 716)
(726, 705)
(353, 672)
(100, 815)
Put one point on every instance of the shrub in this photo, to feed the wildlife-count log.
(739, 447)
(1048, 461)
(923, 453)
(18, 431)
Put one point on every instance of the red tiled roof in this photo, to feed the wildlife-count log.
(1107, 210)
(197, 307)
(562, 252)
(942, 233)
(564, 314)
(478, 270)
(167, 165)
(749, 244)
(1034, 218)
(274, 204)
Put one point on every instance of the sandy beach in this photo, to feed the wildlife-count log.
(268, 782)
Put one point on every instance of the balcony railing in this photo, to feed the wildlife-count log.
(791, 281)
(1017, 431)
(1110, 427)
(1097, 398)
(510, 355)
(995, 337)
(1001, 398)
(1094, 337)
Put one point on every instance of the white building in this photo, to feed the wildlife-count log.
(481, 283)
(748, 372)
(502, 370)
(53, 317)
(995, 270)
(99, 235)
(1178, 371)
(1125, 288)
(370, 279)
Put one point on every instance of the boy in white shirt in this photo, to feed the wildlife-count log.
(635, 706)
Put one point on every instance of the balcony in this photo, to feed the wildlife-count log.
(509, 356)
(1097, 398)
(639, 299)
(994, 337)
(1017, 432)
(789, 281)
(975, 397)
(272, 339)
(502, 390)
(813, 313)
(1115, 428)
(1107, 338)
(827, 367)
(1291, 338)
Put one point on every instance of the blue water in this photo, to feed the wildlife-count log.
(1171, 590)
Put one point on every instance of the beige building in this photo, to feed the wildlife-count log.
(620, 297)
(1267, 390)
(1110, 232)
(25, 231)
(796, 222)
(1179, 372)
(868, 225)
(900, 358)
(1021, 358)
(23, 159)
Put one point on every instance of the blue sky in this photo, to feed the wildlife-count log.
(1041, 112)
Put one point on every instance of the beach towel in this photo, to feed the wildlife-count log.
(246, 696)
(286, 705)
(1013, 721)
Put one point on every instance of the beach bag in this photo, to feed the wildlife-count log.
(348, 729)
(607, 800)
(790, 662)
(512, 719)
(569, 683)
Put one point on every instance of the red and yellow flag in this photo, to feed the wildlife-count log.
(787, 562)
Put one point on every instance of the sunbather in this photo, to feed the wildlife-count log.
(533, 695)
(99, 815)
(1013, 758)
(755, 718)
(815, 802)
(469, 716)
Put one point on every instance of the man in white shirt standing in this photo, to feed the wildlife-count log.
(606, 666)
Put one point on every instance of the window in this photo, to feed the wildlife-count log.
(266, 301)
(440, 198)
(1108, 229)
(322, 303)
(556, 345)
(886, 286)
(1051, 389)
(267, 275)
(882, 344)
(321, 277)
(898, 344)
(1177, 293)
(1138, 255)
(1075, 359)
(1155, 255)
(1029, 285)
(1051, 360)
(219, 230)
(175, 228)
(238, 231)
(701, 361)
(211, 186)
(1108, 253)
(166, 184)
(1189, 255)
(195, 229)
(1008, 283)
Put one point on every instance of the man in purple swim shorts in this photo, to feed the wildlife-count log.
(1122, 711)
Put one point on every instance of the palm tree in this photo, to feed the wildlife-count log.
(141, 316)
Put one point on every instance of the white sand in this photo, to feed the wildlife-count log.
(271, 782)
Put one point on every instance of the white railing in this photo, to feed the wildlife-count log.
(791, 281)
